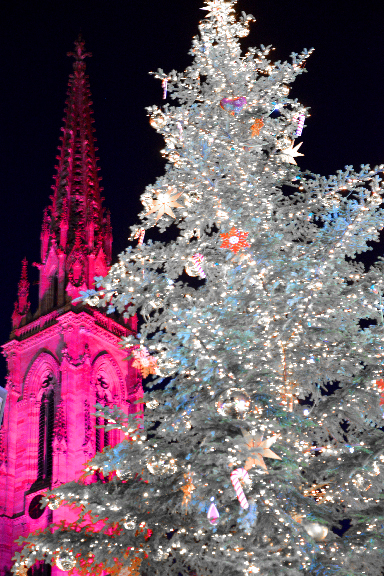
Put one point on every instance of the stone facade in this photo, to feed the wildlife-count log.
(65, 357)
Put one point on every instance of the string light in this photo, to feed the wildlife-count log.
(278, 318)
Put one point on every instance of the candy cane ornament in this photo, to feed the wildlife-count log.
(141, 237)
(197, 260)
(164, 85)
(300, 125)
(240, 474)
(139, 234)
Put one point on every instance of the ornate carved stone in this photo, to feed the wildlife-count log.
(22, 304)
(87, 423)
(60, 427)
(69, 356)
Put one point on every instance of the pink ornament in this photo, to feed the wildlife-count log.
(233, 105)
(164, 85)
(140, 233)
(300, 126)
(237, 476)
(198, 260)
(213, 513)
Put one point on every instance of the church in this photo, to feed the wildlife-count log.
(65, 357)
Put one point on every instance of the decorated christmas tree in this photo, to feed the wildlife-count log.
(261, 448)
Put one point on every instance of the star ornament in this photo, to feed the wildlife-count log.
(235, 240)
(164, 203)
(289, 154)
(144, 362)
(215, 5)
(259, 449)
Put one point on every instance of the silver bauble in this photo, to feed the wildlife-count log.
(129, 524)
(234, 402)
(316, 530)
(124, 474)
(162, 464)
(257, 409)
(65, 562)
(54, 504)
(182, 423)
(363, 484)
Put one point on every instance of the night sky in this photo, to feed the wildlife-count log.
(344, 87)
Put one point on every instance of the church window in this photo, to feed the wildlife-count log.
(40, 569)
(102, 436)
(46, 421)
(35, 510)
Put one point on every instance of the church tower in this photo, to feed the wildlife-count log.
(65, 357)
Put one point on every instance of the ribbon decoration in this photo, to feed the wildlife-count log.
(237, 476)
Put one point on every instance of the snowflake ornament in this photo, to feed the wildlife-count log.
(164, 203)
(235, 240)
(144, 362)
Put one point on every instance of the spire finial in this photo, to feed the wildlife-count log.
(79, 53)
(23, 284)
(22, 304)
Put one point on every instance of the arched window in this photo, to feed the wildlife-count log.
(102, 436)
(40, 569)
(46, 421)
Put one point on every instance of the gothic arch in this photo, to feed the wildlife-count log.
(44, 365)
(105, 366)
(41, 380)
(108, 388)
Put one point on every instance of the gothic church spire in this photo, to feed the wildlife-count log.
(76, 237)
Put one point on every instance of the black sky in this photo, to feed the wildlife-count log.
(344, 87)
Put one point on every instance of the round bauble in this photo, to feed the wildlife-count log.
(363, 484)
(124, 475)
(182, 424)
(233, 105)
(234, 402)
(54, 504)
(65, 562)
(160, 555)
(162, 464)
(129, 524)
(257, 409)
(316, 530)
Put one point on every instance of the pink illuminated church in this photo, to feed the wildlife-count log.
(65, 357)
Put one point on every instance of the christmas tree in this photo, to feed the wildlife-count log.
(261, 448)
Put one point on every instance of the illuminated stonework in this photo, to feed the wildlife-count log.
(65, 357)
